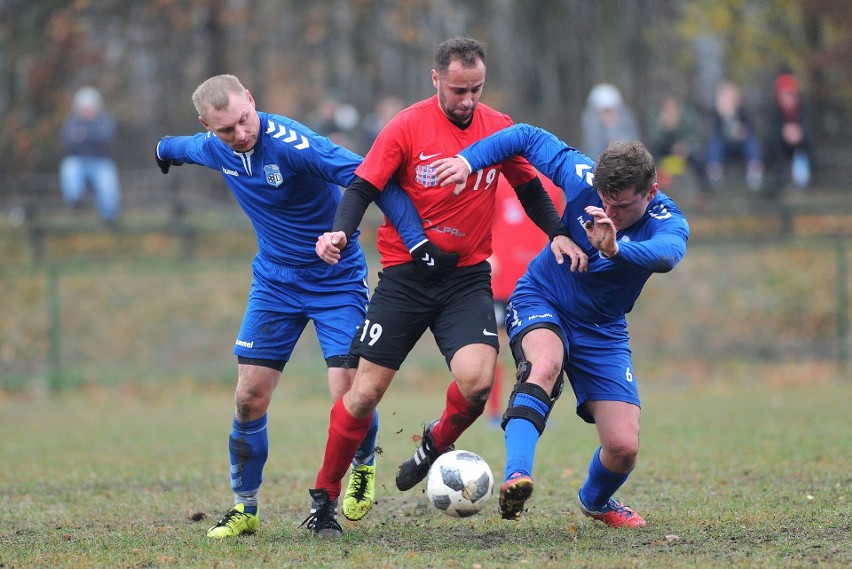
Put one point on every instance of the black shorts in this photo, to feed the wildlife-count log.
(459, 312)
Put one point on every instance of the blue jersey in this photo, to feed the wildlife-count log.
(289, 185)
(608, 291)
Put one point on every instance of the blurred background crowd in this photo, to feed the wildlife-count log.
(704, 84)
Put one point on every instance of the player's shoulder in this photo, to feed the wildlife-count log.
(272, 125)
(663, 209)
(206, 142)
(413, 113)
(664, 200)
(492, 115)
(286, 133)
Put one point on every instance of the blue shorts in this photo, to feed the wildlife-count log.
(597, 356)
(283, 299)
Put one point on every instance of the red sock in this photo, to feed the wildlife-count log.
(458, 415)
(345, 434)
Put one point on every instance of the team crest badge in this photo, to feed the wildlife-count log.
(273, 175)
(425, 176)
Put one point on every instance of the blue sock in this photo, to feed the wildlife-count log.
(366, 453)
(522, 437)
(600, 485)
(249, 446)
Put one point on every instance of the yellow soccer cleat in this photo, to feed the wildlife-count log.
(360, 493)
(234, 523)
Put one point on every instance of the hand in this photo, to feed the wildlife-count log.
(165, 164)
(451, 171)
(433, 263)
(601, 232)
(563, 246)
(329, 245)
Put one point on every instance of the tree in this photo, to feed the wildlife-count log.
(148, 55)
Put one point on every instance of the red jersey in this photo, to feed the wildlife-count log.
(416, 137)
(516, 238)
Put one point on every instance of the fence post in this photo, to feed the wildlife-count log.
(842, 304)
(179, 226)
(53, 328)
(36, 233)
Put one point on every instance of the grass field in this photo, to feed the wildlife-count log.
(753, 475)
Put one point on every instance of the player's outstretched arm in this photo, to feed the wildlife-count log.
(163, 161)
(349, 213)
(398, 208)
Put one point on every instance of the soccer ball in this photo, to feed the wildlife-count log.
(459, 483)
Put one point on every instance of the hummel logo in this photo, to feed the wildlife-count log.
(487, 333)
(581, 171)
(425, 157)
(430, 262)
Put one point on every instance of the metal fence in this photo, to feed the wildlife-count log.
(155, 314)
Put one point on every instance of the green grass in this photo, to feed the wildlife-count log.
(754, 475)
(146, 319)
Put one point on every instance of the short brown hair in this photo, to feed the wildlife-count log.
(466, 50)
(624, 164)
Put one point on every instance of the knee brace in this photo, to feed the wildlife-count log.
(524, 412)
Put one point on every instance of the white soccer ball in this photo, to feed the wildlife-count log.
(459, 483)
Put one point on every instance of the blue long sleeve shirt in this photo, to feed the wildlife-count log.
(289, 186)
(608, 291)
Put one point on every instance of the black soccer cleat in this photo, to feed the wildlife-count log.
(415, 468)
(322, 521)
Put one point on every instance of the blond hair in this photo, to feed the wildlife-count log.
(215, 92)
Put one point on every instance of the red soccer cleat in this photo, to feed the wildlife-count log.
(615, 515)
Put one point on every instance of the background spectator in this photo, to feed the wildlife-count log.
(788, 145)
(605, 118)
(677, 143)
(385, 110)
(88, 136)
(732, 137)
(338, 121)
